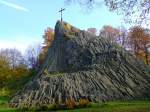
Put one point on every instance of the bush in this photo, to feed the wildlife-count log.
(70, 104)
(4, 92)
(83, 103)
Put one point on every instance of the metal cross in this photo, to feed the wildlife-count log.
(62, 9)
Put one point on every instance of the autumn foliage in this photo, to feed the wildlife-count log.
(92, 30)
(48, 39)
(83, 102)
(136, 40)
(139, 42)
(12, 67)
(70, 103)
(110, 33)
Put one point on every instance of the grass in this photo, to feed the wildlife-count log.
(119, 106)
(115, 106)
(4, 104)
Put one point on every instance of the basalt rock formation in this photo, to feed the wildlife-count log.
(82, 65)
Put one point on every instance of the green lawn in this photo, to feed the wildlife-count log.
(4, 105)
(116, 106)
(127, 106)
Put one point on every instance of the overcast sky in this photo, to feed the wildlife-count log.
(22, 22)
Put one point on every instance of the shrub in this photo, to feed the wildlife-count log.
(42, 108)
(24, 109)
(83, 103)
(67, 26)
(4, 92)
(52, 107)
(70, 104)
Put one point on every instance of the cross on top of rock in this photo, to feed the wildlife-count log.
(61, 11)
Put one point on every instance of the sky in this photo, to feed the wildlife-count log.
(22, 22)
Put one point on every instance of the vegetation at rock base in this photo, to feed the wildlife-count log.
(114, 106)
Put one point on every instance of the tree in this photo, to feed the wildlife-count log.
(12, 66)
(134, 11)
(14, 57)
(33, 56)
(110, 33)
(122, 38)
(92, 30)
(139, 42)
(4, 70)
(48, 39)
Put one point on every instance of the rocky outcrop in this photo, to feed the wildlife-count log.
(81, 65)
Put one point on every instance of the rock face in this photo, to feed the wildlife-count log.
(81, 65)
